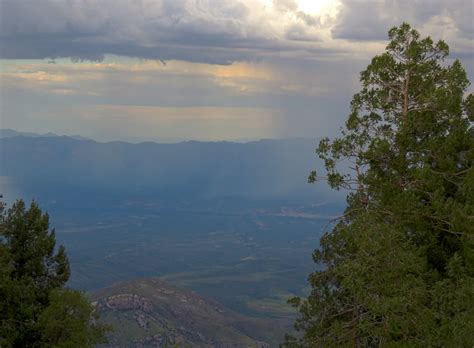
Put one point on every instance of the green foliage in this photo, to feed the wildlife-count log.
(35, 309)
(62, 323)
(400, 262)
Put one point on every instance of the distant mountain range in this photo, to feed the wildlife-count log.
(10, 133)
(152, 313)
(76, 170)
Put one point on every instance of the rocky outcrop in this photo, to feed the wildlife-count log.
(152, 313)
(127, 302)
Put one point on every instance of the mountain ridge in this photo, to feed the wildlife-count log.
(149, 312)
(10, 133)
(44, 167)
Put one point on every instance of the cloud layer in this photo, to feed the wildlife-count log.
(204, 31)
(219, 31)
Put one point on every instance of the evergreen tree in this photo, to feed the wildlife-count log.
(32, 276)
(399, 264)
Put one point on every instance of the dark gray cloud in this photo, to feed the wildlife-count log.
(212, 31)
(203, 31)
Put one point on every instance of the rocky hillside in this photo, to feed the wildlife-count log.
(152, 313)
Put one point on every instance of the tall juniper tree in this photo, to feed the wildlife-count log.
(399, 264)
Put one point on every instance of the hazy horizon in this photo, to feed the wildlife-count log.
(132, 140)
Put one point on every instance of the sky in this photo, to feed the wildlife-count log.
(171, 70)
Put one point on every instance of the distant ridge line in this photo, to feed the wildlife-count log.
(11, 133)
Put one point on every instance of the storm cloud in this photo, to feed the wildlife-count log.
(219, 31)
(202, 31)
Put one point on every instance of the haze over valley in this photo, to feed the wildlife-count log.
(234, 221)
